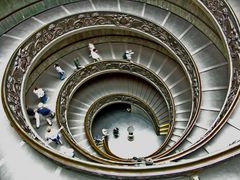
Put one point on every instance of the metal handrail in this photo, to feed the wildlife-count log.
(98, 68)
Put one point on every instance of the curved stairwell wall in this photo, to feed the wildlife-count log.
(200, 136)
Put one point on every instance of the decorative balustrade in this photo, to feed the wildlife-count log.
(23, 59)
(229, 26)
(111, 99)
(80, 77)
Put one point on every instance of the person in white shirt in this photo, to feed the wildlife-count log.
(91, 46)
(41, 94)
(105, 132)
(128, 55)
(60, 71)
(53, 135)
(93, 52)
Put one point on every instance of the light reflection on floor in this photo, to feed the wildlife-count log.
(145, 139)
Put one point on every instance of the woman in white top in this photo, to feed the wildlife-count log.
(93, 52)
(60, 71)
(41, 94)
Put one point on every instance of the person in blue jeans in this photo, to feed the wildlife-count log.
(44, 112)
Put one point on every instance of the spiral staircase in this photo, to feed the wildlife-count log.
(179, 93)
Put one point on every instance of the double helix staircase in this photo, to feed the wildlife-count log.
(184, 74)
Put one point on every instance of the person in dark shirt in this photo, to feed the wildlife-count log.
(77, 64)
(116, 132)
(30, 111)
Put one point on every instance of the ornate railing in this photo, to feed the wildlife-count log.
(42, 38)
(228, 23)
(92, 70)
(112, 99)
(229, 29)
(21, 60)
(98, 41)
(19, 65)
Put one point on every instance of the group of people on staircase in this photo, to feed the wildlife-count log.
(93, 53)
(42, 111)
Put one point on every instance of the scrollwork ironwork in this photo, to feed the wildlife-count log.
(22, 59)
(94, 69)
(75, 81)
(111, 99)
(122, 98)
(222, 13)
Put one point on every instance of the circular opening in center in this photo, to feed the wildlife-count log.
(129, 128)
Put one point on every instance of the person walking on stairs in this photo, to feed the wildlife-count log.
(60, 71)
